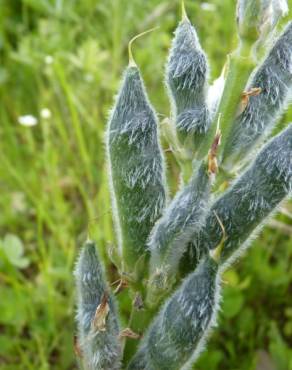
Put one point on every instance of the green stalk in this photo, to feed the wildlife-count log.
(240, 67)
(138, 323)
(139, 320)
(180, 154)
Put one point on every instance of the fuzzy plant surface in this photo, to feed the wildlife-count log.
(274, 78)
(137, 169)
(171, 252)
(186, 77)
(98, 325)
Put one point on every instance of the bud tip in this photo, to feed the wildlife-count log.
(132, 62)
(184, 15)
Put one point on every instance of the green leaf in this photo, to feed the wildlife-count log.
(232, 302)
(13, 249)
(278, 348)
(13, 307)
(209, 360)
(6, 344)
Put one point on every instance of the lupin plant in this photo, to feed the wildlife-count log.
(171, 253)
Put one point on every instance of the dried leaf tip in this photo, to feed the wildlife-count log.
(129, 333)
(132, 62)
(122, 284)
(255, 91)
(212, 155)
(215, 254)
(102, 310)
(77, 348)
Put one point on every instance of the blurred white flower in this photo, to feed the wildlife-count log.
(281, 6)
(208, 6)
(18, 203)
(46, 113)
(27, 120)
(88, 77)
(215, 92)
(49, 59)
(280, 9)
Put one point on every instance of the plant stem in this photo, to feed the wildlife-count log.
(181, 156)
(240, 67)
(138, 323)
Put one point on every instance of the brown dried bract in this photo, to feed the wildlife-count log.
(245, 98)
(216, 253)
(121, 285)
(221, 226)
(128, 333)
(77, 348)
(212, 155)
(102, 310)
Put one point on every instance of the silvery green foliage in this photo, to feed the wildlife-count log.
(136, 166)
(274, 77)
(171, 234)
(252, 198)
(177, 335)
(100, 349)
(186, 78)
(214, 228)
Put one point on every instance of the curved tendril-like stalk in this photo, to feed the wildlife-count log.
(132, 62)
(184, 15)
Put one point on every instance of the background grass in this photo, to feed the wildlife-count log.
(68, 57)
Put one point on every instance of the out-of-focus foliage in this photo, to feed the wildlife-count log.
(60, 62)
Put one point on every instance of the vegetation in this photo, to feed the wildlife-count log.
(61, 64)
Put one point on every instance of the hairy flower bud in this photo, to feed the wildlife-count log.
(241, 211)
(98, 326)
(178, 333)
(186, 79)
(137, 175)
(274, 79)
(171, 234)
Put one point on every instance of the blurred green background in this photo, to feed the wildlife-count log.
(61, 63)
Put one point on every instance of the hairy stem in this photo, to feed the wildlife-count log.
(240, 66)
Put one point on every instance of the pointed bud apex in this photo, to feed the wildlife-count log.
(132, 62)
(184, 15)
